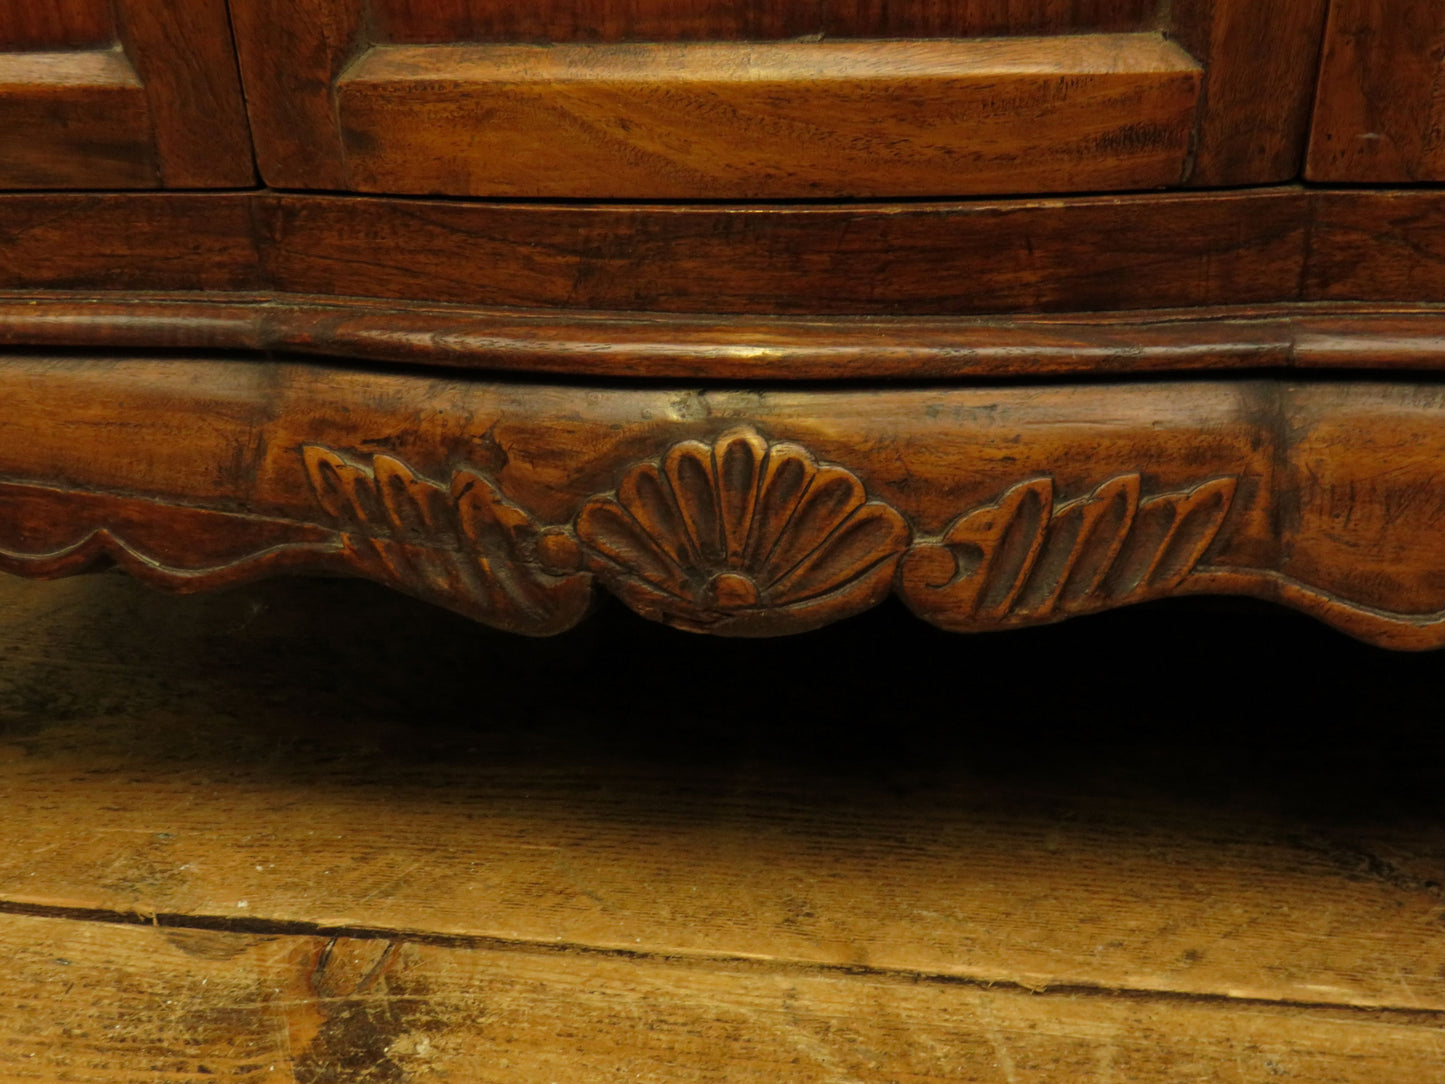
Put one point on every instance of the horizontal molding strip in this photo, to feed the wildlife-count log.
(621, 345)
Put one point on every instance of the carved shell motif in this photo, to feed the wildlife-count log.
(462, 546)
(1028, 559)
(742, 537)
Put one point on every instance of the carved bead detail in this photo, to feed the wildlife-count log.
(742, 537)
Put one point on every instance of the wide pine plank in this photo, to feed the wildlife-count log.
(91, 1001)
(327, 755)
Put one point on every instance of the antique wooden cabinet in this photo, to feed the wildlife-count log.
(751, 314)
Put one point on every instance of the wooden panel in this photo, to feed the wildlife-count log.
(142, 241)
(1260, 61)
(162, 107)
(153, 1006)
(1380, 113)
(1098, 253)
(770, 120)
(74, 120)
(185, 56)
(56, 24)
(291, 52)
(1376, 246)
(1145, 251)
(448, 21)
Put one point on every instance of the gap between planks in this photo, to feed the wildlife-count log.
(712, 961)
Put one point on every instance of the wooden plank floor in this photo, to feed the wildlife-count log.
(309, 831)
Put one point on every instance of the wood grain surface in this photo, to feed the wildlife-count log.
(416, 134)
(1348, 336)
(186, 58)
(449, 21)
(770, 120)
(1380, 114)
(58, 24)
(270, 835)
(107, 141)
(133, 94)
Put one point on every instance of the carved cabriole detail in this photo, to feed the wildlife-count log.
(1030, 559)
(743, 537)
(461, 545)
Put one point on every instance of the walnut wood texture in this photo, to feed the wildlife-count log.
(1380, 113)
(186, 57)
(770, 120)
(712, 348)
(107, 140)
(737, 512)
(546, 21)
(337, 103)
(134, 94)
(1277, 278)
(57, 24)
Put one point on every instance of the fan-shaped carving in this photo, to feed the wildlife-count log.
(742, 537)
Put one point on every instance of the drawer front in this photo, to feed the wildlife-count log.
(598, 99)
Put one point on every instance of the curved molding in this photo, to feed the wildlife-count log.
(774, 348)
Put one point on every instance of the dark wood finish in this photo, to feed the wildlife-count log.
(653, 346)
(397, 120)
(134, 94)
(1239, 252)
(738, 511)
(1380, 113)
(56, 24)
(186, 58)
(1260, 61)
(151, 241)
(1377, 246)
(445, 21)
(291, 53)
(987, 257)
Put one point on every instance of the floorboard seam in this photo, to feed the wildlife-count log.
(735, 961)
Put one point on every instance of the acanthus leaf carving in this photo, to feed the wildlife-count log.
(461, 545)
(1028, 559)
(742, 537)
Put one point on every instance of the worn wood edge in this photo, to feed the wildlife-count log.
(647, 345)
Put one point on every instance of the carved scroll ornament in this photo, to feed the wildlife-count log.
(747, 537)
(739, 536)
